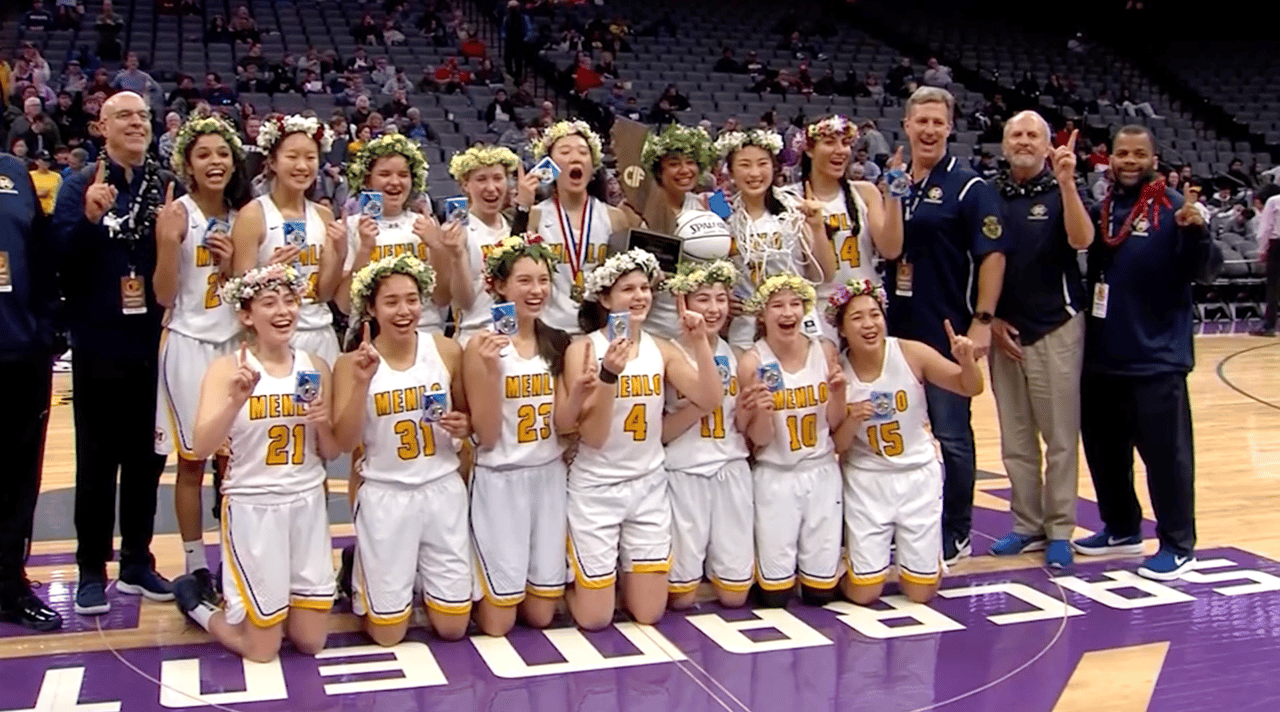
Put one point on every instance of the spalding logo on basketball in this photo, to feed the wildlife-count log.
(633, 176)
(705, 235)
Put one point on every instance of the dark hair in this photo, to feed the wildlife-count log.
(842, 344)
(355, 325)
(551, 342)
(1134, 130)
(771, 202)
(851, 207)
(592, 315)
(238, 192)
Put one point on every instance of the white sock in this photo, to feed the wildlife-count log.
(196, 559)
(202, 614)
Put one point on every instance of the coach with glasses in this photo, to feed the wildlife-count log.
(104, 231)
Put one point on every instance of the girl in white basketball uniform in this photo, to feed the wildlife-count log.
(483, 172)
(892, 475)
(797, 478)
(577, 226)
(315, 244)
(861, 226)
(773, 230)
(193, 259)
(618, 501)
(393, 167)
(708, 475)
(518, 487)
(677, 158)
(270, 402)
(399, 397)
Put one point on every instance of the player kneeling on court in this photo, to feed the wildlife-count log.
(514, 373)
(399, 398)
(269, 402)
(709, 479)
(892, 476)
(618, 501)
(797, 478)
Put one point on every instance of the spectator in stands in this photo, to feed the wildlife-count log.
(985, 166)
(76, 161)
(68, 14)
(500, 110)
(516, 31)
(32, 110)
(398, 82)
(953, 241)
(804, 79)
(164, 144)
(42, 136)
(360, 111)
(1269, 253)
(250, 82)
(243, 27)
(377, 124)
(1054, 87)
(1076, 44)
(871, 139)
(606, 67)
(37, 19)
(45, 180)
(827, 84)
(329, 63)
(1102, 186)
(1138, 352)
(218, 32)
(360, 62)
(283, 77)
(363, 136)
(73, 79)
(727, 63)
(41, 73)
(392, 36)
(1064, 134)
(416, 129)
(1039, 338)
(184, 96)
(18, 147)
(1239, 178)
(665, 108)
(108, 26)
(382, 71)
(68, 117)
(862, 159)
(487, 74)
(1099, 158)
(872, 88)
(616, 99)
(1132, 108)
(430, 26)
(310, 61)
(897, 78)
(450, 79)
(471, 46)
(797, 46)
(133, 79)
(217, 93)
(352, 91)
(1027, 87)
(397, 107)
(253, 58)
(937, 75)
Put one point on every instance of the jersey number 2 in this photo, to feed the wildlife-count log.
(527, 430)
(278, 448)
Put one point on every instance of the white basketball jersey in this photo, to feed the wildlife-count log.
(800, 431)
(198, 311)
(554, 224)
(273, 450)
(399, 446)
(763, 247)
(634, 446)
(395, 237)
(855, 254)
(662, 319)
(897, 437)
(480, 238)
(312, 314)
(714, 440)
(528, 438)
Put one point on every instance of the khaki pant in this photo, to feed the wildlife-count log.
(1040, 398)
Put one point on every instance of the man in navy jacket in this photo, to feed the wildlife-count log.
(1152, 243)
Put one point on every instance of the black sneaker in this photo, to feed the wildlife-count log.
(954, 549)
(91, 595)
(27, 610)
(346, 571)
(209, 592)
(188, 594)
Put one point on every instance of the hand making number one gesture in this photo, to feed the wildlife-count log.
(100, 195)
(691, 322)
(365, 358)
(1062, 160)
(245, 378)
(1188, 214)
(962, 347)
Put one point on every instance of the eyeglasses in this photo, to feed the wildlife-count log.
(126, 115)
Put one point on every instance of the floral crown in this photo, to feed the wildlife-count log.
(365, 281)
(731, 141)
(559, 130)
(239, 291)
(198, 126)
(481, 156)
(381, 147)
(276, 126)
(609, 271)
(834, 125)
(691, 276)
(506, 251)
(689, 141)
(778, 283)
(854, 288)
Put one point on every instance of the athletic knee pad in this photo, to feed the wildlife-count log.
(817, 596)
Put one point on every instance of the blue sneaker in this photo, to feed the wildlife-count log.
(144, 581)
(1103, 543)
(1013, 543)
(1058, 554)
(91, 596)
(1166, 565)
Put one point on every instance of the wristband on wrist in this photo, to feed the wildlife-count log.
(607, 376)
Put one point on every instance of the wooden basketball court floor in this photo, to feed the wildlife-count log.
(1003, 635)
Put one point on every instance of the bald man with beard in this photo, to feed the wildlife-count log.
(104, 235)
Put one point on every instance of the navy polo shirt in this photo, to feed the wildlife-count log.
(952, 220)
(1042, 282)
(1147, 328)
(29, 295)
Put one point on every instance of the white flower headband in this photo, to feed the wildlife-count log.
(366, 279)
(834, 125)
(731, 141)
(779, 283)
(609, 271)
(277, 126)
(560, 130)
(196, 127)
(692, 276)
(481, 156)
(241, 290)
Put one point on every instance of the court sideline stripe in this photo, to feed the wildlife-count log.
(1222, 376)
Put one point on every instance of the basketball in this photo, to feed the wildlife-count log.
(705, 235)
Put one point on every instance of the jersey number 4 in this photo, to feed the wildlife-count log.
(527, 429)
(636, 423)
(849, 251)
(411, 445)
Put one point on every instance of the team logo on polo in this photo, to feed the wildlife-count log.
(1141, 226)
(991, 227)
(6, 185)
(1038, 212)
(934, 195)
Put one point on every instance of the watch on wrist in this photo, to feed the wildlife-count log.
(983, 317)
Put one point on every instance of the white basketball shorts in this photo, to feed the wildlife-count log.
(518, 532)
(798, 525)
(631, 518)
(276, 553)
(712, 529)
(183, 363)
(880, 508)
